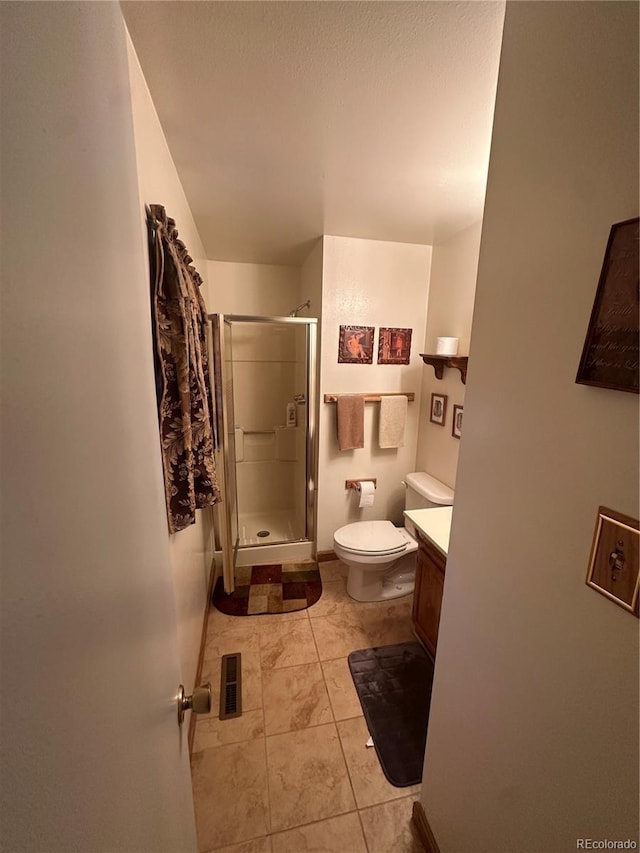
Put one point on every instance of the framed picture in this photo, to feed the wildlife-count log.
(456, 429)
(613, 564)
(611, 353)
(356, 344)
(438, 409)
(394, 346)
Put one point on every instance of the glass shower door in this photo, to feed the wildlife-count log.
(265, 377)
(270, 393)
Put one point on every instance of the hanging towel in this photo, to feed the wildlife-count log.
(181, 360)
(350, 418)
(393, 416)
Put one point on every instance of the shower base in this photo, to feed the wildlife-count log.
(277, 525)
(280, 544)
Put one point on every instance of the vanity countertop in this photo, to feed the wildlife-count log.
(434, 523)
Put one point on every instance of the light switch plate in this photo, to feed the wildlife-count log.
(614, 562)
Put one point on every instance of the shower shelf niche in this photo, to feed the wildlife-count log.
(439, 362)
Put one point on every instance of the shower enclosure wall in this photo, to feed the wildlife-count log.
(265, 394)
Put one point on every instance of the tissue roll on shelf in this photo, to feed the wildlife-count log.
(447, 346)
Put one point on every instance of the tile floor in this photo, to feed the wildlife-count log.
(292, 774)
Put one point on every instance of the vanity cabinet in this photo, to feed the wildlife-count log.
(427, 599)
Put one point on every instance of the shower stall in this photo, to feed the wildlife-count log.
(264, 371)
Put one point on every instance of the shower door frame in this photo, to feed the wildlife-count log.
(226, 435)
(223, 437)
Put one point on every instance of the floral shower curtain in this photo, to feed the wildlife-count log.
(182, 374)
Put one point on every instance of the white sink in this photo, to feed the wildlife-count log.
(434, 523)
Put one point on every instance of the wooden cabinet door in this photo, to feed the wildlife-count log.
(428, 596)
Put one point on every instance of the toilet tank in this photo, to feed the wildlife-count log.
(424, 491)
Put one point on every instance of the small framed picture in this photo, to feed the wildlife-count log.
(614, 564)
(356, 345)
(610, 353)
(438, 409)
(456, 429)
(394, 346)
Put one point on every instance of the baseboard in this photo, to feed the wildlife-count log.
(325, 556)
(423, 830)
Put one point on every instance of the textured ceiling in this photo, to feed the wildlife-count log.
(288, 120)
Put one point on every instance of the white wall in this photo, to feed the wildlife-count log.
(262, 290)
(452, 290)
(190, 550)
(454, 268)
(311, 282)
(369, 283)
(533, 733)
(91, 750)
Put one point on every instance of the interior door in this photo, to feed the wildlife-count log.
(92, 755)
(226, 446)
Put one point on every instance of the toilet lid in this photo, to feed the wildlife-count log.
(371, 537)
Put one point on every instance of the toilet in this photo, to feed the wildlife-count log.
(382, 557)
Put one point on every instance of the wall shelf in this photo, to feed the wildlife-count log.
(439, 362)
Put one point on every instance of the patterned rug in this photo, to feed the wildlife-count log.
(276, 588)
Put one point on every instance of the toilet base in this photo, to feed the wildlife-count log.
(395, 582)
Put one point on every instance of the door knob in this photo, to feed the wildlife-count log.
(199, 702)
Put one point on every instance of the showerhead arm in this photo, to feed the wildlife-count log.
(306, 304)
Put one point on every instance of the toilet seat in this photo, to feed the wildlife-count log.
(379, 538)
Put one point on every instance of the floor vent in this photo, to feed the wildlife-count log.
(231, 686)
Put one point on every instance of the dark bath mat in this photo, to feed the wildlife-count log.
(394, 688)
(276, 588)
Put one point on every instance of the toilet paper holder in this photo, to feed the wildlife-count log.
(355, 484)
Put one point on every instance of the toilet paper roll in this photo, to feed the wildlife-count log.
(447, 346)
(367, 492)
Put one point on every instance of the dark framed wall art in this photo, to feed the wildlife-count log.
(456, 427)
(611, 351)
(355, 345)
(394, 346)
(438, 409)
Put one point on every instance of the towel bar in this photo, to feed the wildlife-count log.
(372, 397)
